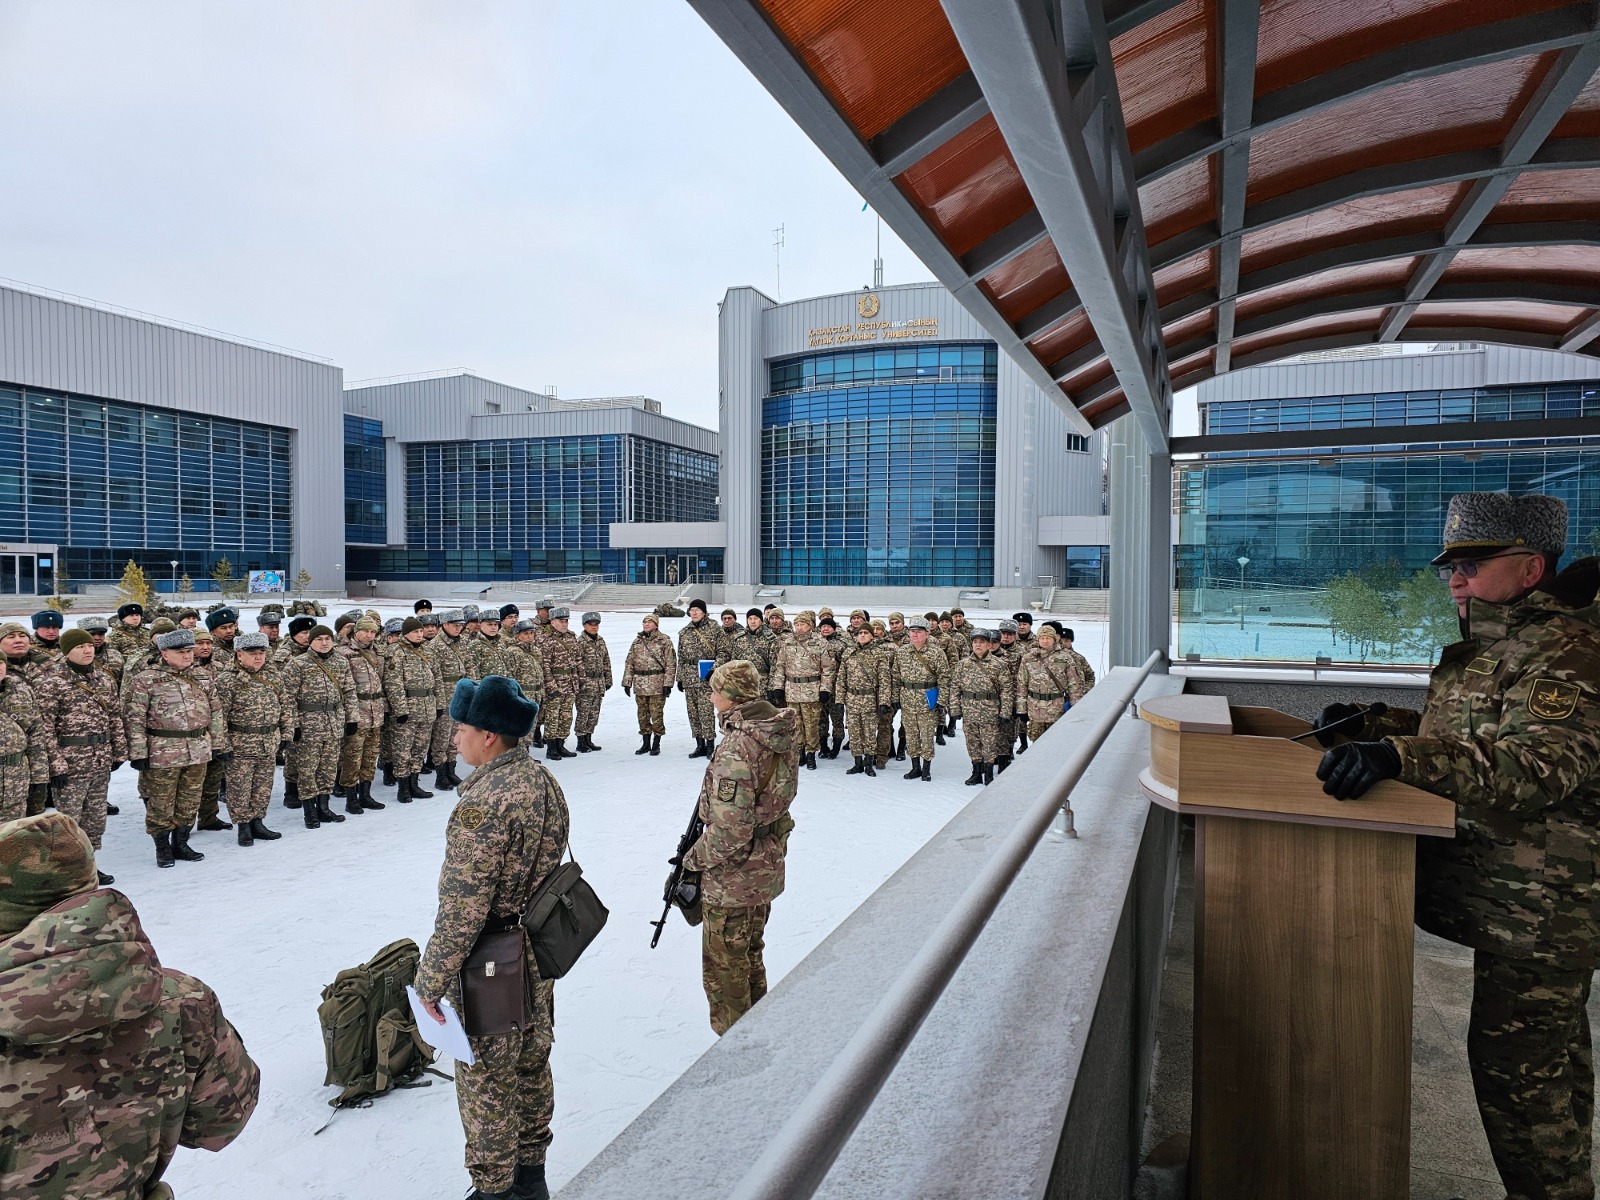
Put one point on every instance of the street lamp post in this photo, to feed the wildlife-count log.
(174, 563)
(1243, 563)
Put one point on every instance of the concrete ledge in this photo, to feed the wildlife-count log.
(1054, 1002)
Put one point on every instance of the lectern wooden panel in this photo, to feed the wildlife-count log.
(1303, 948)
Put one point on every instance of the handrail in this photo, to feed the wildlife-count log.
(800, 1154)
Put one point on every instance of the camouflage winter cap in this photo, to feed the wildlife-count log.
(158, 627)
(824, 612)
(203, 635)
(368, 623)
(560, 614)
(1477, 521)
(809, 617)
(43, 860)
(177, 639)
(737, 680)
(250, 641)
(525, 626)
(94, 624)
(879, 627)
(774, 611)
(11, 627)
(901, 617)
(858, 612)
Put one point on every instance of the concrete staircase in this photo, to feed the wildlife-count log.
(629, 595)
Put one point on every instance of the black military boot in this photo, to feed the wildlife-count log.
(528, 1183)
(977, 774)
(325, 811)
(700, 749)
(103, 879)
(583, 743)
(811, 760)
(1022, 739)
(1001, 763)
(988, 773)
(644, 747)
(938, 734)
(916, 770)
(655, 743)
(311, 813)
(866, 767)
(340, 790)
(247, 836)
(259, 830)
(900, 746)
(444, 776)
(388, 774)
(555, 749)
(538, 736)
(416, 789)
(180, 847)
(163, 842)
(427, 766)
(291, 795)
(352, 800)
(367, 801)
(215, 825)
(927, 770)
(857, 769)
(402, 793)
(112, 810)
(594, 745)
(838, 745)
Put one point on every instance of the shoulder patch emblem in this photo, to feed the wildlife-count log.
(1482, 666)
(727, 789)
(471, 817)
(1552, 699)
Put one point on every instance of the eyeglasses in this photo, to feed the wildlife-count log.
(1467, 568)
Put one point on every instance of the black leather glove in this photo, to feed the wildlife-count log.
(297, 733)
(666, 691)
(627, 689)
(775, 698)
(884, 710)
(350, 728)
(223, 757)
(38, 795)
(59, 781)
(1352, 769)
(139, 764)
(1345, 720)
(402, 718)
(827, 697)
(283, 748)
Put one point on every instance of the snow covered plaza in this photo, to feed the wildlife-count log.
(268, 927)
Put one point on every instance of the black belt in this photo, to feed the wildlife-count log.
(980, 695)
(13, 760)
(316, 707)
(803, 678)
(87, 739)
(638, 673)
(369, 695)
(1033, 695)
(419, 691)
(253, 728)
(177, 733)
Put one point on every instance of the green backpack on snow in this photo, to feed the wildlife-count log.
(368, 1033)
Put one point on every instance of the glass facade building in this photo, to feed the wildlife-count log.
(878, 467)
(107, 481)
(520, 508)
(366, 516)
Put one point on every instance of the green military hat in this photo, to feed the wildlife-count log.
(809, 617)
(931, 617)
(736, 680)
(1479, 521)
(43, 860)
(901, 617)
(161, 625)
(73, 638)
(11, 627)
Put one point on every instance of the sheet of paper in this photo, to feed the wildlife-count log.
(450, 1038)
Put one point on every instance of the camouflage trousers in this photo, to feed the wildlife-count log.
(211, 793)
(589, 700)
(1036, 729)
(731, 942)
(358, 758)
(84, 800)
(316, 763)
(557, 713)
(249, 786)
(172, 796)
(507, 1098)
(409, 745)
(863, 719)
(1533, 1073)
(836, 721)
(702, 717)
(919, 722)
(885, 744)
(983, 738)
(652, 713)
(810, 714)
(442, 748)
(386, 743)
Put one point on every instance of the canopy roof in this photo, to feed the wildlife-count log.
(1134, 195)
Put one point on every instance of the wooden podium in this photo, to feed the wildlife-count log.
(1303, 949)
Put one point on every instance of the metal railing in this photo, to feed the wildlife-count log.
(801, 1153)
(561, 587)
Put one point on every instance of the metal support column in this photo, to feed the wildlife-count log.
(1141, 546)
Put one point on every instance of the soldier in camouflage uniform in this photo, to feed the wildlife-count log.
(563, 676)
(918, 666)
(833, 719)
(507, 833)
(956, 644)
(864, 685)
(980, 690)
(358, 758)
(319, 688)
(647, 676)
(209, 818)
(744, 803)
(449, 656)
(1085, 671)
(518, 658)
(24, 658)
(384, 646)
(224, 626)
(752, 645)
(111, 660)
(174, 726)
(80, 707)
(127, 633)
(47, 627)
(26, 749)
(257, 721)
(410, 693)
(1511, 734)
(1048, 683)
(102, 1083)
(1008, 650)
(597, 680)
(269, 622)
(296, 644)
(700, 640)
(802, 678)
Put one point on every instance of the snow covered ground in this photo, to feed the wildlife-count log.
(268, 927)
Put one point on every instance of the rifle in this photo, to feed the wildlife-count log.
(680, 889)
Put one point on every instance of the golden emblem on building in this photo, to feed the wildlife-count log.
(867, 306)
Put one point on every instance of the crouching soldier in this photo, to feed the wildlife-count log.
(980, 687)
(79, 705)
(257, 723)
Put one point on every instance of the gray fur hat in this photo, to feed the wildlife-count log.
(269, 616)
(428, 618)
(1008, 626)
(983, 635)
(546, 602)
(1479, 521)
(560, 614)
(469, 612)
(453, 616)
(525, 626)
(918, 623)
(178, 639)
(93, 624)
(250, 641)
(495, 705)
(393, 624)
(591, 618)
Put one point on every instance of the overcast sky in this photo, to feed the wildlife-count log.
(546, 193)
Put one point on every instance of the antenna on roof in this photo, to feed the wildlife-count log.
(777, 254)
(877, 263)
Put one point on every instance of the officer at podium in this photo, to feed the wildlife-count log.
(1511, 734)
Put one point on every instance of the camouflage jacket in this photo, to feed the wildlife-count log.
(286, 651)
(864, 678)
(596, 659)
(980, 689)
(111, 660)
(409, 685)
(366, 673)
(1044, 681)
(744, 802)
(255, 715)
(127, 640)
(521, 662)
(321, 694)
(1511, 733)
(83, 712)
(483, 651)
(652, 664)
(802, 670)
(31, 665)
(957, 645)
(915, 671)
(173, 717)
(19, 702)
(755, 648)
(448, 658)
(697, 641)
(563, 664)
(222, 654)
(1085, 671)
(112, 1061)
(507, 832)
(835, 646)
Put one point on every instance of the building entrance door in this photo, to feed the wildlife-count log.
(19, 574)
(655, 568)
